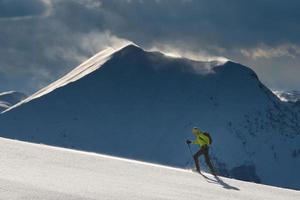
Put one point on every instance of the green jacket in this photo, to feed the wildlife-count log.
(201, 139)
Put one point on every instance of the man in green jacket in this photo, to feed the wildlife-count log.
(204, 141)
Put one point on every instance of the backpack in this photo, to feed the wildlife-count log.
(210, 140)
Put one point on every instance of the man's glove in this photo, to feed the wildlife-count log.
(188, 141)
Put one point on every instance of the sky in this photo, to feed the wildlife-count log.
(41, 40)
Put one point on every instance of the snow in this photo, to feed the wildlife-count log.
(33, 171)
(142, 105)
(287, 96)
(4, 105)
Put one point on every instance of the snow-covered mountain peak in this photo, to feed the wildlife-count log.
(130, 49)
(127, 52)
(159, 59)
(141, 104)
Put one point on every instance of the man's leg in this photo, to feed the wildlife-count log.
(196, 159)
(208, 162)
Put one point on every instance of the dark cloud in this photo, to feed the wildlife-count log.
(38, 50)
(19, 9)
(261, 33)
(226, 23)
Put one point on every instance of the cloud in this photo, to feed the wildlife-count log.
(36, 51)
(16, 10)
(201, 55)
(227, 24)
(202, 23)
(43, 39)
(263, 51)
(49, 60)
(90, 4)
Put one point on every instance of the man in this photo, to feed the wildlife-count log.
(204, 141)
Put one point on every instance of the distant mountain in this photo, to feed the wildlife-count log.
(142, 105)
(8, 99)
(288, 96)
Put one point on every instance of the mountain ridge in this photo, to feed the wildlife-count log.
(142, 105)
(99, 59)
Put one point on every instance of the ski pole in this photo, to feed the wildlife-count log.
(188, 163)
(190, 150)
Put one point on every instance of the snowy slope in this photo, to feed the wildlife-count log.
(31, 171)
(10, 98)
(142, 105)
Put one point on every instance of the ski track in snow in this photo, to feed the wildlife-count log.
(33, 171)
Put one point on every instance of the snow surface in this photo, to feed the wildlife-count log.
(33, 171)
(142, 105)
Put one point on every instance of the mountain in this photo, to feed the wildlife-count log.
(10, 98)
(33, 171)
(142, 105)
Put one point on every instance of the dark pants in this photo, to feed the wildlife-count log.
(203, 150)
